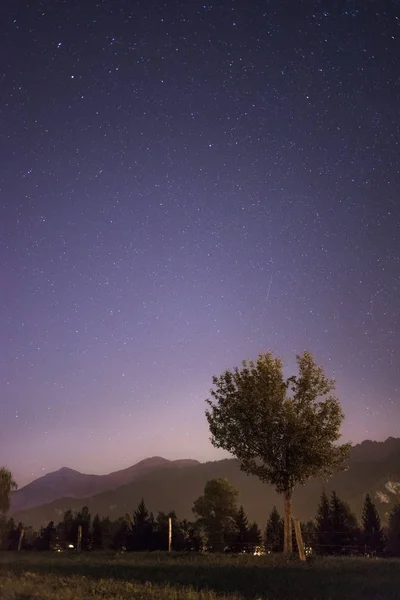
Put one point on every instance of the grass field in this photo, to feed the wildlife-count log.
(192, 577)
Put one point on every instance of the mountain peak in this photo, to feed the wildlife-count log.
(66, 471)
(153, 461)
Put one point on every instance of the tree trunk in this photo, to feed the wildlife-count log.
(288, 526)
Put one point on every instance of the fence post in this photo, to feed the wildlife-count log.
(21, 537)
(169, 534)
(79, 540)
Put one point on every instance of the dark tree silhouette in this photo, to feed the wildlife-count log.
(345, 532)
(274, 532)
(216, 511)
(7, 485)
(140, 537)
(47, 538)
(97, 534)
(241, 536)
(254, 537)
(324, 526)
(372, 533)
(393, 536)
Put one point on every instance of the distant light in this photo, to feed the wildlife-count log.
(70, 545)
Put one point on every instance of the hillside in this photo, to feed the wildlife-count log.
(178, 486)
(67, 483)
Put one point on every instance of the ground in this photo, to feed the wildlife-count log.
(110, 576)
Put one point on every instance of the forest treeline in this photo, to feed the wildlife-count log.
(219, 525)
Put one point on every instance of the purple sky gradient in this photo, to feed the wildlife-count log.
(183, 186)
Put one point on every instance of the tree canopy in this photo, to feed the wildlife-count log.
(7, 485)
(216, 511)
(284, 431)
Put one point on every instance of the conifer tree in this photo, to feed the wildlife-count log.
(121, 533)
(343, 525)
(274, 532)
(254, 537)
(393, 538)
(371, 527)
(241, 537)
(47, 538)
(97, 533)
(324, 526)
(141, 533)
(67, 529)
(83, 519)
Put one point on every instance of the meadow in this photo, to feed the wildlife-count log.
(157, 576)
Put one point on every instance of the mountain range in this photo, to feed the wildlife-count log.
(373, 467)
(68, 483)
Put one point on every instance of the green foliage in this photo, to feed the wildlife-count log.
(273, 540)
(7, 485)
(216, 510)
(284, 431)
(371, 527)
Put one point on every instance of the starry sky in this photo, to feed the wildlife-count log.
(184, 185)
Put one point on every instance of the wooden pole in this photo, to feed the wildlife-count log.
(299, 539)
(21, 537)
(169, 534)
(79, 540)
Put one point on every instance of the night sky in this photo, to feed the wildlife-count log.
(184, 185)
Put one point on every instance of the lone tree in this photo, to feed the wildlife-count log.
(7, 485)
(281, 430)
(216, 511)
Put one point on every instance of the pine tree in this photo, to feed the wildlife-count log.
(107, 533)
(343, 525)
(241, 536)
(83, 519)
(309, 533)
(254, 537)
(274, 532)
(97, 534)
(67, 530)
(121, 533)
(141, 534)
(371, 527)
(393, 539)
(47, 538)
(324, 526)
